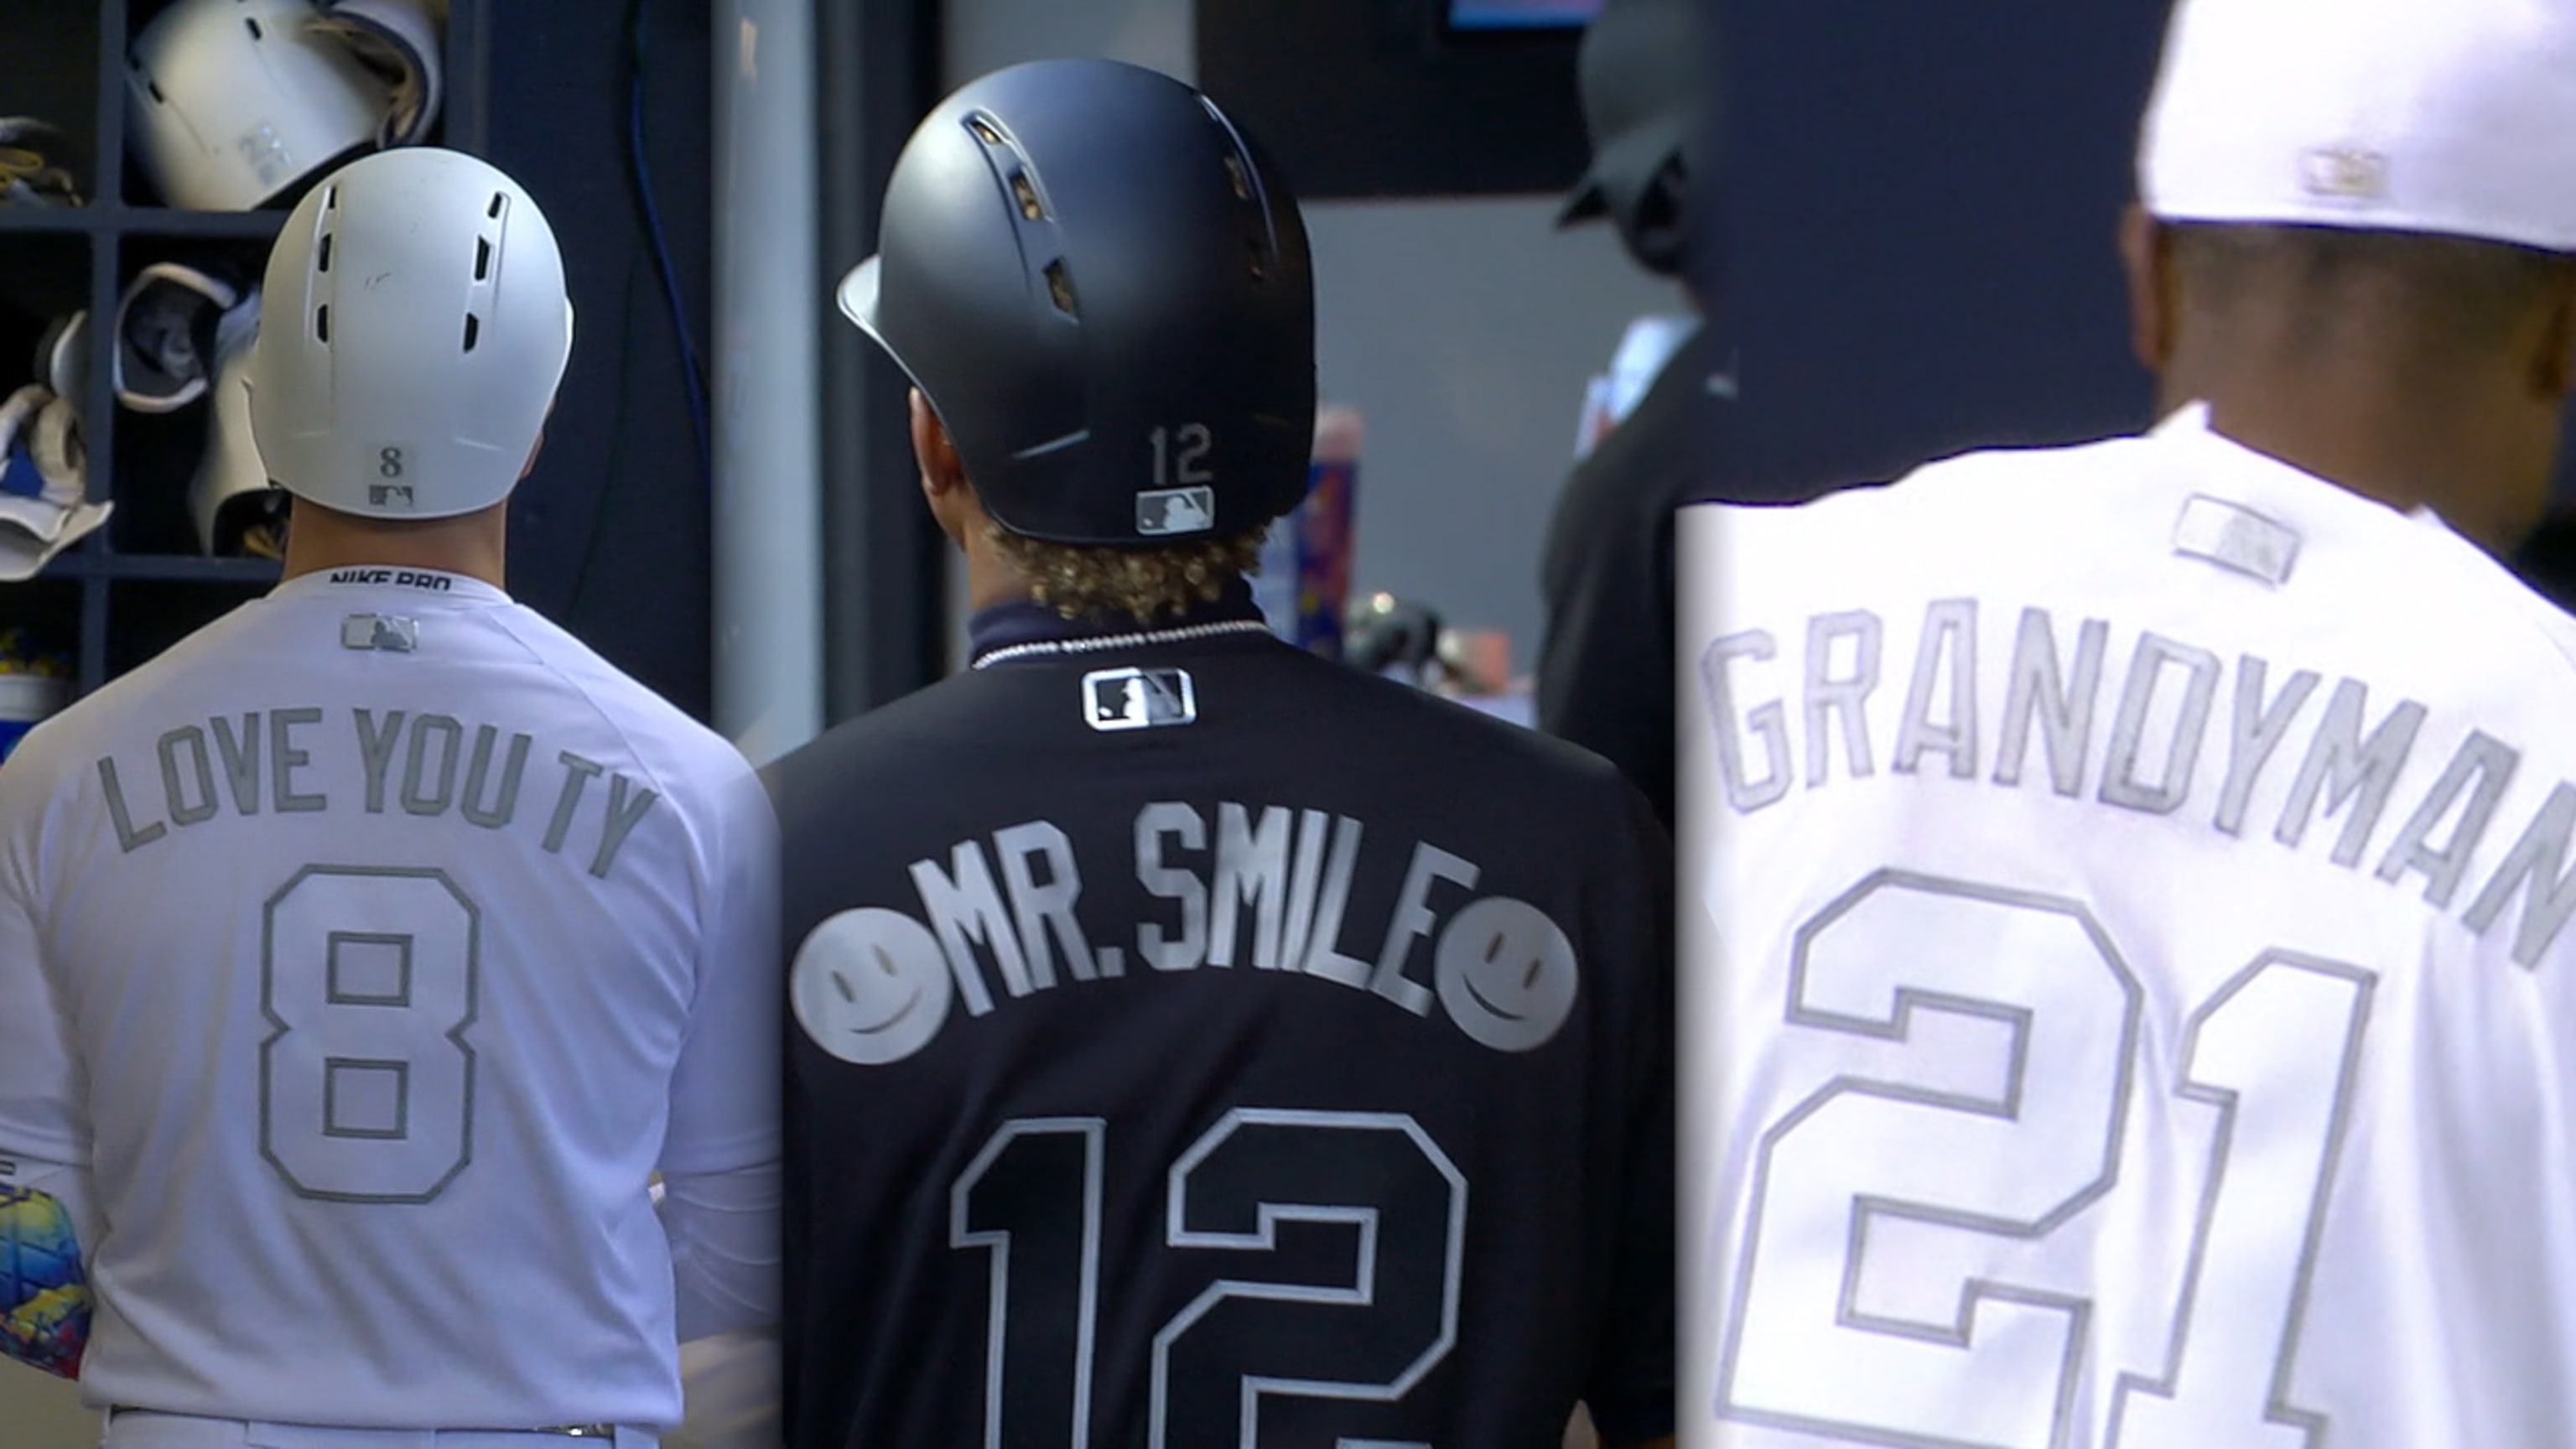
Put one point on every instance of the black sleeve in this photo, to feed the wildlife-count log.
(1605, 674)
(1631, 1387)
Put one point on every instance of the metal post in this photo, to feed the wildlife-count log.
(768, 617)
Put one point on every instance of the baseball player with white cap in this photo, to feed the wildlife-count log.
(363, 957)
(2130, 1000)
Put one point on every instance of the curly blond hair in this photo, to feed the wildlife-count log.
(1113, 584)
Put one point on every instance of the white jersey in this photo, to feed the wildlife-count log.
(395, 939)
(2132, 1005)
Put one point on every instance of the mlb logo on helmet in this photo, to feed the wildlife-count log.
(1136, 699)
(1170, 512)
(2377, 114)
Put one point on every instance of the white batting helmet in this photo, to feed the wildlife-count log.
(415, 330)
(233, 101)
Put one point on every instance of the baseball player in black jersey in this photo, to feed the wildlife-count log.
(1605, 669)
(1198, 1043)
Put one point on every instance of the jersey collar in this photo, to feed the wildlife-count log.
(377, 580)
(2269, 481)
(1025, 621)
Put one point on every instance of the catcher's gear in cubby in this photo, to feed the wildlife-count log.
(62, 356)
(43, 482)
(165, 333)
(232, 102)
(35, 165)
(418, 392)
(1095, 280)
(399, 40)
(238, 512)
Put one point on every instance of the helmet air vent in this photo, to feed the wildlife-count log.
(1027, 196)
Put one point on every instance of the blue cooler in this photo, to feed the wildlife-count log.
(1305, 579)
(26, 699)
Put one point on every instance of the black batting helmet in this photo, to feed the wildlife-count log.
(1107, 298)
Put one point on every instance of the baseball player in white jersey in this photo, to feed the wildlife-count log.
(363, 957)
(2128, 993)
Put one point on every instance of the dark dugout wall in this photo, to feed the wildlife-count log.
(609, 536)
(1919, 245)
(1922, 210)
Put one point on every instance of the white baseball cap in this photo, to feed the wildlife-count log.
(2454, 117)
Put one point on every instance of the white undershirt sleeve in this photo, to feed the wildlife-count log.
(720, 1160)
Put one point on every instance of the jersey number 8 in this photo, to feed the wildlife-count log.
(366, 1083)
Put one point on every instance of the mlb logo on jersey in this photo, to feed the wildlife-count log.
(2235, 537)
(385, 633)
(1172, 511)
(2345, 173)
(1136, 699)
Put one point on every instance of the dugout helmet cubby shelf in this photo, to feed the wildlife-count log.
(136, 585)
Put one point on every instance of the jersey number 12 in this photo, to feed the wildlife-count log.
(1032, 1200)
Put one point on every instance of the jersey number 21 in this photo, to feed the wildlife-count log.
(1909, 1335)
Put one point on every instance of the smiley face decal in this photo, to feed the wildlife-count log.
(1506, 973)
(871, 986)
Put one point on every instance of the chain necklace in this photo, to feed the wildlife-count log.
(1180, 635)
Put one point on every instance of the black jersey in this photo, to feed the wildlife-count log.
(1203, 1044)
(1605, 671)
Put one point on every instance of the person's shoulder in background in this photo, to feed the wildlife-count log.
(2547, 560)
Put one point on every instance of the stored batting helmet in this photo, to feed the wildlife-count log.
(1107, 298)
(415, 331)
(230, 102)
